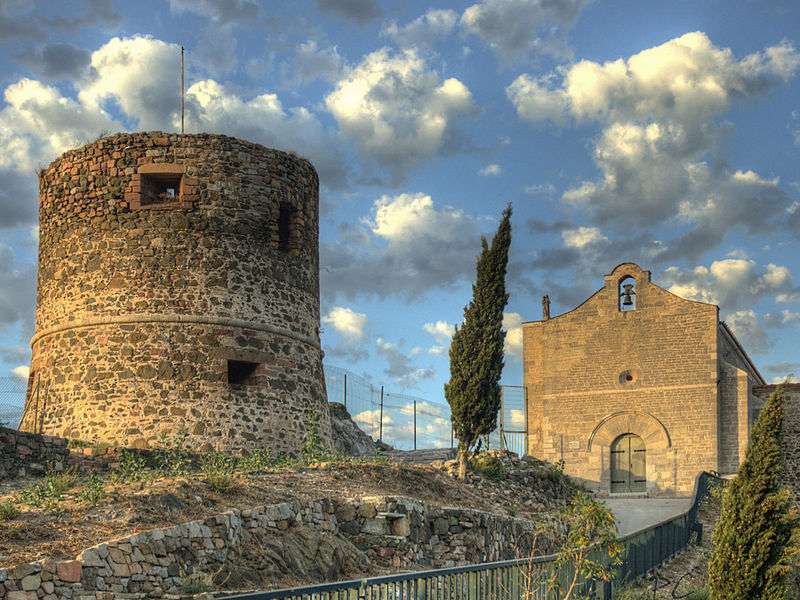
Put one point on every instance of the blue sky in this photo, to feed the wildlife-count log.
(664, 133)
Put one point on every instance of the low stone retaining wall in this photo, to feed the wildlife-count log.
(392, 532)
(23, 453)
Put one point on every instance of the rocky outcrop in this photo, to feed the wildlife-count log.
(347, 437)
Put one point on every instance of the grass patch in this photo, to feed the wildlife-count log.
(8, 511)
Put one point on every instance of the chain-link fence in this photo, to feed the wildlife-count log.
(12, 400)
(408, 423)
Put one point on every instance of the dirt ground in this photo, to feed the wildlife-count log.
(71, 523)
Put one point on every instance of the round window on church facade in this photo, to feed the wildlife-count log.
(629, 377)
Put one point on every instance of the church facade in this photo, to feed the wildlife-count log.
(638, 390)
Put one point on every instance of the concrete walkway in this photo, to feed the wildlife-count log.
(633, 514)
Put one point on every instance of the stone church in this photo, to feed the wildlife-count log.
(638, 390)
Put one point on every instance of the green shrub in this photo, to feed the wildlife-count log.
(629, 594)
(312, 447)
(173, 459)
(258, 460)
(74, 444)
(8, 511)
(93, 490)
(60, 482)
(48, 492)
(219, 472)
(752, 541)
(489, 466)
(132, 467)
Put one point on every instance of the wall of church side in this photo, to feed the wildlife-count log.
(728, 418)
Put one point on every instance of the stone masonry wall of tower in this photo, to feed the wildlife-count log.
(178, 290)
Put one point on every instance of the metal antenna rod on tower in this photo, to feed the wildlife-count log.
(182, 89)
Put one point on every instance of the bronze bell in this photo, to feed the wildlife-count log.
(627, 293)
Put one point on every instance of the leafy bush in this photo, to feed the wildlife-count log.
(584, 534)
(173, 458)
(93, 490)
(48, 492)
(489, 466)
(132, 467)
(312, 448)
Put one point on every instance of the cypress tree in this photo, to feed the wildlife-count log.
(753, 536)
(476, 351)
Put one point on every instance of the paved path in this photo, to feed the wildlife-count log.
(633, 514)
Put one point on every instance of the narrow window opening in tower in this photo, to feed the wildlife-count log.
(241, 372)
(160, 189)
(285, 222)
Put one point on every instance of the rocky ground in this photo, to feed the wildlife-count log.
(60, 524)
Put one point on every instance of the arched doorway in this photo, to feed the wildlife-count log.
(628, 464)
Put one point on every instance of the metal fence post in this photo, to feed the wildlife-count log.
(502, 413)
(380, 430)
(345, 391)
(415, 423)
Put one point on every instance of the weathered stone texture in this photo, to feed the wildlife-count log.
(391, 532)
(141, 306)
(598, 372)
(790, 444)
(24, 454)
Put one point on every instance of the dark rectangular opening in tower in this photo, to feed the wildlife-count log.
(284, 226)
(160, 188)
(241, 372)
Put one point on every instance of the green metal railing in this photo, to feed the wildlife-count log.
(524, 578)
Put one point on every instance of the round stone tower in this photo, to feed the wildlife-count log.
(178, 292)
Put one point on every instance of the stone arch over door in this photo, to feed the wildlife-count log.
(645, 425)
(654, 437)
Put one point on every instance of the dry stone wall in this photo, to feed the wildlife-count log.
(178, 291)
(23, 454)
(393, 532)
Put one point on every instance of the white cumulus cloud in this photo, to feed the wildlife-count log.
(406, 247)
(659, 115)
(398, 111)
(516, 28)
(730, 283)
(21, 372)
(423, 31)
(442, 331)
(748, 330)
(512, 323)
(582, 237)
(347, 323)
(491, 171)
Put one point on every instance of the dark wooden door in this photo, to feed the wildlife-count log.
(628, 464)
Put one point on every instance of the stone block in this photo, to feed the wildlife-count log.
(367, 510)
(69, 571)
(375, 527)
(31, 582)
